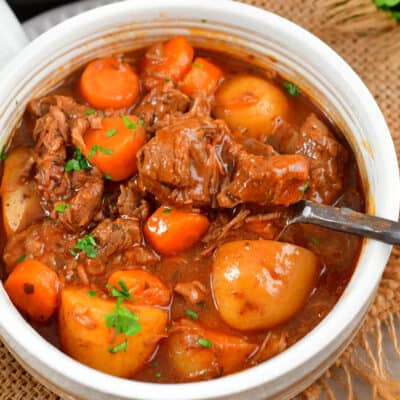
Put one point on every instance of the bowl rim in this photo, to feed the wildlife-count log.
(15, 330)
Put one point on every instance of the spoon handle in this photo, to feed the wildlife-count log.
(349, 221)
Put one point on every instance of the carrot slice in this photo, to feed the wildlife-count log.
(109, 83)
(33, 287)
(171, 231)
(113, 149)
(203, 77)
(143, 287)
(168, 60)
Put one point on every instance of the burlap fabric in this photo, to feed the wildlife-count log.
(370, 41)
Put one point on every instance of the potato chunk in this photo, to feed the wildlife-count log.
(250, 104)
(198, 353)
(260, 284)
(85, 336)
(20, 198)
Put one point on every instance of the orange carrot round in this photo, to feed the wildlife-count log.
(169, 60)
(109, 83)
(113, 149)
(170, 231)
(144, 287)
(203, 77)
(33, 287)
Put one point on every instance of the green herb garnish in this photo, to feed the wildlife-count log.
(90, 111)
(77, 163)
(196, 65)
(122, 293)
(108, 177)
(95, 148)
(92, 293)
(88, 245)
(203, 20)
(128, 123)
(166, 210)
(21, 258)
(303, 188)
(111, 132)
(191, 314)
(73, 252)
(291, 88)
(390, 6)
(119, 347)
(166, 80)
(123, 320)
(141, 122)
(158, 375)
(204, 342)
(3, 153)
(61, 207)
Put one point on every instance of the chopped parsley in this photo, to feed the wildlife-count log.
(77, 163)
(16, 103)
(108, 177)
(141, 122)
(204, 342)
(111, 132)
(166, 210)
(166, 80)
(61, 207)
(196, 65)
(291, 88)
(303, 188)
(390, 6)
(95, 148)
(73, 252)
(315, 241)
(203, 20)
(88, 245)
(92, 293)
(90, 111)
(158, 375)
(128, 123)
(123, 320)
(3, 153)
(122, 293)
(191, 314)
(119, 347)
(21, 258)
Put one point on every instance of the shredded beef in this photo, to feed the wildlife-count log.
(328, 157)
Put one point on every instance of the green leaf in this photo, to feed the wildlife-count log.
(390, 6)
(111, 132)
(128, 123)
(291, 88)
(315, 242)
(141, 122)
(108, 177)
(3, 153)
(123, 292)
(158, 375)
(95, 148)
(92, 293)
(196, 65)
(88, 245)
(192, 314)
(204, 342)
(61, 207)
(203, 20)
(77, 163)
(166, 80)
(166, 210)
(303, 188)
(90, 111)
(119, 347)
(21, 258)
(123, 320)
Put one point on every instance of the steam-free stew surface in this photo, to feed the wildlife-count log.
(143, 206)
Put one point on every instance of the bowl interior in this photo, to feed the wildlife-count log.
(272, 43)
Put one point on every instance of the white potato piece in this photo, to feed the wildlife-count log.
(20, 198)
(250, 104)
(85, 337)
(262, 283)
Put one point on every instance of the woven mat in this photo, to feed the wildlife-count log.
(370, 42)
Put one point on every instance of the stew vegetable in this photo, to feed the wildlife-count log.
(143, 207)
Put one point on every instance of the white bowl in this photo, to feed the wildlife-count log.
(299, 56)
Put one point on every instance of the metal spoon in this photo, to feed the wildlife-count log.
(345, 220)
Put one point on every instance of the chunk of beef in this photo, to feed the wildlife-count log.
(183, 163)
(328, 157)
(161, 101)
(274, 180)
(47, 242)
(85, 204)
(131, 203)
(195, 162)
